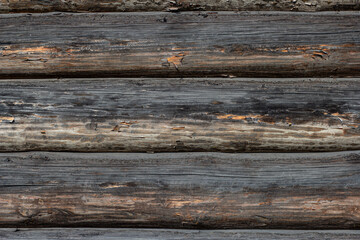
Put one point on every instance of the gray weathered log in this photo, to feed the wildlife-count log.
(11, 6)
(180, 190)
(167, 115)
(245, 44)
(170, 234)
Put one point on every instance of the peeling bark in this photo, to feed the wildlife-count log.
(11, 6)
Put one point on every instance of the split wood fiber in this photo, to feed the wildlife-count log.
(167, 234)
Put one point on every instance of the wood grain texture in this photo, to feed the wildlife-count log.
(244, 44)
(180, 190)
(11, 6)
(170, 234)
(170, 115)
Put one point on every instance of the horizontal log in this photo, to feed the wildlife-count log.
(165, 234)
(245, 44)
(11, 6)
(167, 115)
(180, 190)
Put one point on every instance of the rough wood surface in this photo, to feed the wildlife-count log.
(167, 115)
(7, 6)
(162, 234)
(245, 44)
(180, 190)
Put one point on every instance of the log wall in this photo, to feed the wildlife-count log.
(157, 115)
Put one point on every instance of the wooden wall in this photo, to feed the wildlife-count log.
(190, 115)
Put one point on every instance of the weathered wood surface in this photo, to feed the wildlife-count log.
(167, 115)
(170, 234)
(181, 190)
(245, 44)
(11, 6)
